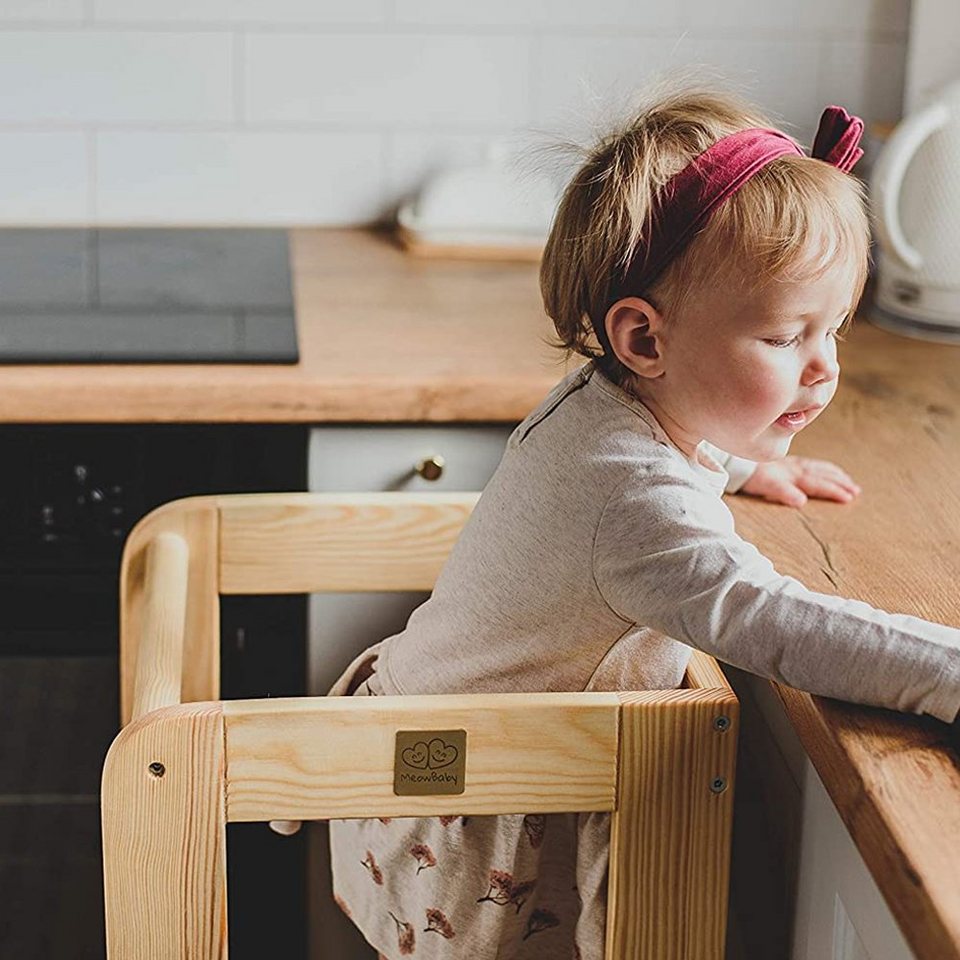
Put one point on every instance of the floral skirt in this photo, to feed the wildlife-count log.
(509, 887)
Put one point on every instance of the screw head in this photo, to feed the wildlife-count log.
(157, 769)
(718, 784)
(721, 723)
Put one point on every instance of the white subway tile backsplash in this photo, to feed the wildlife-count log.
(90, 76)
(45, 179)
(238, 177)
(778, 75)
(850, 19)
(41, 10)
(869, 75)
(733, 16)
(330, 111)
(394, 81)
(581, 83)
(547, 14)
(608, 72)
(843, 18)
(243, 11)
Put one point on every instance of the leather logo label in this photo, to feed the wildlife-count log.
(429, 762)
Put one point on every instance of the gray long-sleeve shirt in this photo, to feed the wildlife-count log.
(599, 554)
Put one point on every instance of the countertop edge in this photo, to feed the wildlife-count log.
(368, 402)
(897, 844)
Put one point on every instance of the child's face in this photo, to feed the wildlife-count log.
(735, 365)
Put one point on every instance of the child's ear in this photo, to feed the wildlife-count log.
(634, 327)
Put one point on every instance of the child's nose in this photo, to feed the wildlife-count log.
(822, 367)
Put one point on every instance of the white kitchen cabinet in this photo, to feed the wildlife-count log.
(838, 912)
(841, 913)
(362, 457)
(379, 458)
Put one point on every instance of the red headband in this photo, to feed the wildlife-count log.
(688, 199)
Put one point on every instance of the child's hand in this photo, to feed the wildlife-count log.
(792, 479)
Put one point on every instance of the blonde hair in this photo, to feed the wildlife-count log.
(792, 221)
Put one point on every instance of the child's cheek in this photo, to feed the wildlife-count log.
(765, 390)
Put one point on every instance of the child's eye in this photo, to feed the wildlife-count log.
(835, 333)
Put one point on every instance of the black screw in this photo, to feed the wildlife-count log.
(721, 723)
(718, 785)
(157, 769)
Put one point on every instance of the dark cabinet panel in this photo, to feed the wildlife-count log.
(263, 654)
(50, 879)
(68, 498)
(58, 716)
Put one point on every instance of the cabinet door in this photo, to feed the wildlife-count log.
(836, 908)
(374, 458)
(58, 716)
(841, 914)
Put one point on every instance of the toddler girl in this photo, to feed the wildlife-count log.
(706, 267)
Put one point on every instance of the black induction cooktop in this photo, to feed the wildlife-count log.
(146, 295)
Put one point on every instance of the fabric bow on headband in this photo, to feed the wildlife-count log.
(837, 139)
(688, 199)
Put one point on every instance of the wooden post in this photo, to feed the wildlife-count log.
(160, 654)
(164, 837)
(670, 834)
(196, 520)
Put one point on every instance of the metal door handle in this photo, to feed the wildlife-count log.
(431, 468)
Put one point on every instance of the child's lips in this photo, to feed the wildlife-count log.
(797, 419)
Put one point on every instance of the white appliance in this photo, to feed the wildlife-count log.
(915, 187)
(489, 210)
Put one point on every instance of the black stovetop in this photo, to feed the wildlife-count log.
(146, 295)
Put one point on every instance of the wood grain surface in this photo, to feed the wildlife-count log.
(158, 681)
(313, 758)
(317, 542)
(164, 827)
(671, 831)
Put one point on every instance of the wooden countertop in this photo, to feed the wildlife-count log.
(894, 777)
(383, 337)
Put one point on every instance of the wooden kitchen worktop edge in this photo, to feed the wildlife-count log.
(384, 337)
(895, 784)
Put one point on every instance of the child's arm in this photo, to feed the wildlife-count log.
(666, 555)
(738, 469)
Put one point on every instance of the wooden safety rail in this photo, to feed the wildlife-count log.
(186, 763)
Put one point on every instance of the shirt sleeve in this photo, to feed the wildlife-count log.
(666, 556)
(738, 469)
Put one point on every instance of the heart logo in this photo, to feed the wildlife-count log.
(441, 754)
(416, 756)
(430, 756)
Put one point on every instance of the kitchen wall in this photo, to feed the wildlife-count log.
(329, 111)
(933, 53)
